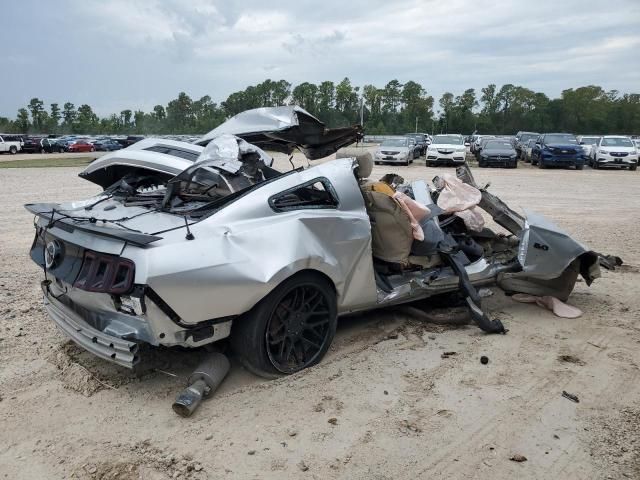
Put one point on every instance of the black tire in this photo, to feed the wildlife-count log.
(595, 165)
(13, 150)
(579, 167)
(481, 164)
(377, 163)
(288, 309)
(633, 168)
(541, 164)
(515, 164)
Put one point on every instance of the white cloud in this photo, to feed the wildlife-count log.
(136, 54)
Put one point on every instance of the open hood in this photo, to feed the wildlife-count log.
(282, 129)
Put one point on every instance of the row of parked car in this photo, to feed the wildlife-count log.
(33, 144)
(563, 149)
(557, 150)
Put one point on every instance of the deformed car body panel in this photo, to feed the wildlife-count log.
(284, 129)
(147, 155)
(250, 251)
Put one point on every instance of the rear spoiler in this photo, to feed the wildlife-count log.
(47, 211)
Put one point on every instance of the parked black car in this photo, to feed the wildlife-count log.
(498, 153)
(130, 140)
(106, 145)
(421, 142)
(521, 141)
(31, 144)
(51, 145)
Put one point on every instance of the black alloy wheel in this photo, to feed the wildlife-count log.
(298, 328)
(290, 329)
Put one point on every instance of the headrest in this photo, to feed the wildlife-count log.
(363, 157)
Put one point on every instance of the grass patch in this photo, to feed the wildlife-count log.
(47, 162)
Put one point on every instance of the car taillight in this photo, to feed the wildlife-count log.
(105, 273)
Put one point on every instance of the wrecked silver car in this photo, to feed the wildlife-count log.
(190, 244)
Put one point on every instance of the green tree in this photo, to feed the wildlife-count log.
(69, 115)
(22, 121)
(36, 107)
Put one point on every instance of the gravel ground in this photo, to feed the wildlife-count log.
(385, 403)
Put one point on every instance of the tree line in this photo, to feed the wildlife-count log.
(396, 108)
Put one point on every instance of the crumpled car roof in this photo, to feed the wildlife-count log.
(283, 129)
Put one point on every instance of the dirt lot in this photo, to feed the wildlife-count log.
(401, 410)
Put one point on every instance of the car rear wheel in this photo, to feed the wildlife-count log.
(13, 150)
(290, 329)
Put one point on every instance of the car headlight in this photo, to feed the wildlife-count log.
(512, 156)
(604, 152)
(460, 149)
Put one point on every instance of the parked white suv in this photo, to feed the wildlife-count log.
(446, 149)
(10, 143)
(614, 151)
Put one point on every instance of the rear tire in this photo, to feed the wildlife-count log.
(290, 329)
(13, 150)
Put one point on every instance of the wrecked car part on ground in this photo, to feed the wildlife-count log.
(202, 383)
(184, 252)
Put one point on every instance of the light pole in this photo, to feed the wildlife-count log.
(416, 124)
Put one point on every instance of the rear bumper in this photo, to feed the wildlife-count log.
(107, 347)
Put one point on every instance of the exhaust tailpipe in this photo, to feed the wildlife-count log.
(202, 382)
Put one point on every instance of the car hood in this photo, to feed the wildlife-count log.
(619, 149)
(283, 129)
(392, 149)
(498, 151)
(445, 146)
(565, 146)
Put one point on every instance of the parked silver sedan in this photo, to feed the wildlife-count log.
(399, 150)
(191, 244)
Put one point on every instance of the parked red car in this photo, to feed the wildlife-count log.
(81, 146)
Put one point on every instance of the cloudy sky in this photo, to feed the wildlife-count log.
(116, 54)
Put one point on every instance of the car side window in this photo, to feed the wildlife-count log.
(314, 194)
